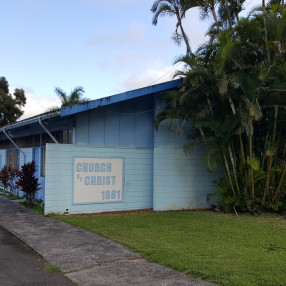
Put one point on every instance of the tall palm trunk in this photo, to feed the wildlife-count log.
(270, 161)
(237, 16)
(250, 139)
(242, 163)
(280, 183)
(205, 142)
(189, 51)
(216, 20)
(233, 168)
(267, 183)
(228, 174)
(232, 105)
(210, 105)
(265, 147)
(242, 155)
(228, 14)
(265, 31)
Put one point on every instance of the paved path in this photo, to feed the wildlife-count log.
(21, 266)
(86, 258)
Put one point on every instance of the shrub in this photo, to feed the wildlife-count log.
(5, 177)
(28, 182)
(8, 177)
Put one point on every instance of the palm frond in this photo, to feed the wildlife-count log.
(162, 8)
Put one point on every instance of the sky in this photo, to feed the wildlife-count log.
(105, 46)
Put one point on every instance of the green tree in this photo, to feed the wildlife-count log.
(234, 96)
(10, 104)
(75, 97)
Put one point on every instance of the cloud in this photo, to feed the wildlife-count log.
(112, 3)
(159, 42)
(36, 105)
(120, 61)
(195, 28)
(148, 77)
(135, 35)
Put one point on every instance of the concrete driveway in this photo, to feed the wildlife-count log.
(21, 266)
(86, 258)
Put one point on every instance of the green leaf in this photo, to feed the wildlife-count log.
(254, 163)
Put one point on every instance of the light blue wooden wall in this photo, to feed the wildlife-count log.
(138, 178)
(36, 155)
(3, 158)
(180, 181)
(127, 123)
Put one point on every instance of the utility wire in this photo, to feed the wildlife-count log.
(149, 110)
(166, 73)
(248, 3)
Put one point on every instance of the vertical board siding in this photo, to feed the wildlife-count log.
(137, 178)
(82, 131)
(111, 123)
(143, 124)
(95, 128)
(126, 128)
(128, 123)
(3, 158)
(180, 181)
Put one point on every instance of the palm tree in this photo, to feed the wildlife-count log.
(75, 97)
(234, 98)
(178, 9)
(207, 6)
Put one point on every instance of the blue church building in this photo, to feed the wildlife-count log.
(105, 155)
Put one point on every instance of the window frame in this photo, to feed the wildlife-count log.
(43, 161)
(13, 158)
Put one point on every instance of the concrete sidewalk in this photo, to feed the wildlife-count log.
(86, 258)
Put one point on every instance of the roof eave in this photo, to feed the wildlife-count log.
(120, 97)
(30, 120)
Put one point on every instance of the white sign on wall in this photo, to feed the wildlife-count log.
(97, 180)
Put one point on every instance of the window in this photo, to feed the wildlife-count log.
(67, 137)
(34, 154)
(43, 162)
(13, 158)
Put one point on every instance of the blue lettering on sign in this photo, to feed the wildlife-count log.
(78, 167)
(93, 167)
(108, 167)
(85, 167)
(87, 180)
(109, 195)
(93, 180)
(90, 167)
(96, 167)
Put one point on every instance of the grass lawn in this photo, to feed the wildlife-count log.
(37, 207)
(221, 248)
(10, 197)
